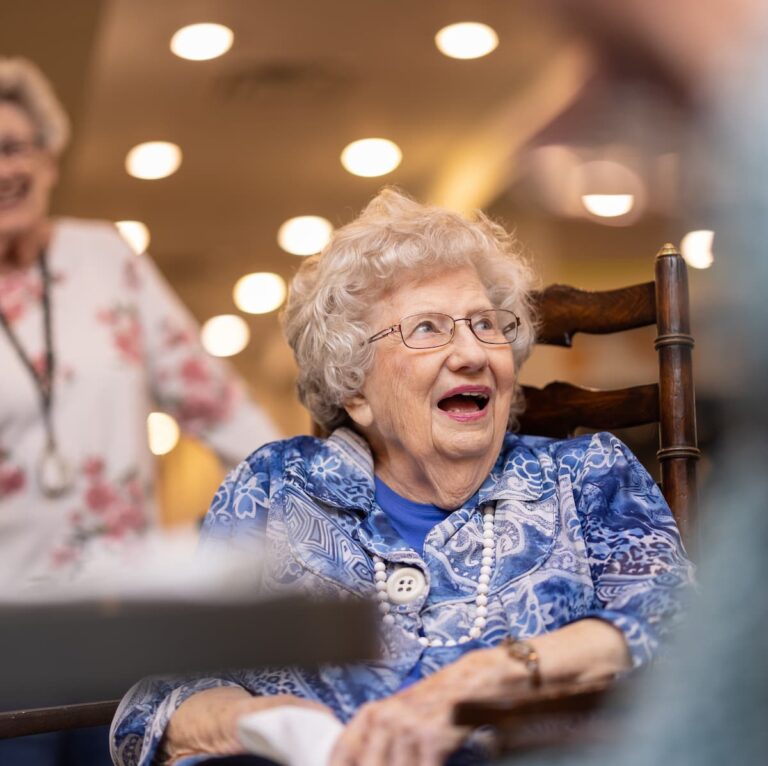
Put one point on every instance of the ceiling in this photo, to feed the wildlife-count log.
(262, 128)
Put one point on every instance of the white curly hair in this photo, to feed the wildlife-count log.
(394, 240)
(25, 86)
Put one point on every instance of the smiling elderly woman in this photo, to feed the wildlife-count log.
(500, 562)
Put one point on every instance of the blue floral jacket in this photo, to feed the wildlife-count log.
(581, 531)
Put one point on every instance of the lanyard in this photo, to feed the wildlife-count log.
(44, 378)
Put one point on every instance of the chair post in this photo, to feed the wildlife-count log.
(678, 451)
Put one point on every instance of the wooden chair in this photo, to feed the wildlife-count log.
(560, 408)
(564, 715)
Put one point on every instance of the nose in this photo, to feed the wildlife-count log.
(467, 352)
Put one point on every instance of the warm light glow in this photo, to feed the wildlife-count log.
(200, 42)
(696, 248)
(260, 293)
(304, 235)
(466, 40)
(162, 432)
(155, 159)
(225, 335)
(608, 205)
(371, 157)
(135, 233)
(609, 190)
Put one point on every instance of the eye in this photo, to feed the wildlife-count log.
(425, 327)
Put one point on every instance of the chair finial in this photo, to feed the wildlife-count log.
(668, 249)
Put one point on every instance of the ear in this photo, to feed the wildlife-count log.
(359, 410)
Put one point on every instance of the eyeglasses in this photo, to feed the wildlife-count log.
(18, 148)
(494, 326)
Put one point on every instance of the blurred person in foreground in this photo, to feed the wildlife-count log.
(500, 562)
(708, 705)
(91, 340)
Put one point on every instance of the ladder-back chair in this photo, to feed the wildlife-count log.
(551, 717)
(560, 408)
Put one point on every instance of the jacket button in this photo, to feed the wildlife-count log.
(405, 585)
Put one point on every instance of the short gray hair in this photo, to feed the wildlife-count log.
(393, 240)
(24, 85)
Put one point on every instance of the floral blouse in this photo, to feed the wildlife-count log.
(124, 345)
(581, 530)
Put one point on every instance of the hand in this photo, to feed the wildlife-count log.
(206, 722)
(415, 727)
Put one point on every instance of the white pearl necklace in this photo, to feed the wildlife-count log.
(481, 599)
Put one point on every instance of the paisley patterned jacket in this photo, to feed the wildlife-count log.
(581, 531)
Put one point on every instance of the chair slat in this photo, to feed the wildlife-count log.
(565, 310)
(559, 408)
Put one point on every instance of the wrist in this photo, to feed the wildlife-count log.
(525, 655)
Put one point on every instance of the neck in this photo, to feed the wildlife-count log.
(445, 482)
(20, 250)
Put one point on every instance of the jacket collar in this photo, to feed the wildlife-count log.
(343, 462)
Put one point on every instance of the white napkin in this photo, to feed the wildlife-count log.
(290, 735)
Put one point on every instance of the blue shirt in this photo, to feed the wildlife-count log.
(412, 521)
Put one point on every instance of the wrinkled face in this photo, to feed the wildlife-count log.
(27, 173)
(450, 402)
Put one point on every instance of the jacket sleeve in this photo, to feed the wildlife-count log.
(237, 514)
(203, 393)
(642, 576)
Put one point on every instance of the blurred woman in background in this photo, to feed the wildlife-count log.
(91, 340)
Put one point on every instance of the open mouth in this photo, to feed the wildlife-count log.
(468, 402)
(13, 191)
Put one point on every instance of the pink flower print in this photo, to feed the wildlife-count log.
(39, 364)
(194, 370)
(12, 479)
(18, 291)
(63, 556)
(93, 467)
(100, 497)
(128, 340)
(126, 331)
(176, 335)
(131, 275)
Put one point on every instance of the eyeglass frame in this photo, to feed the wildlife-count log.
(397, 328)
(20, 148)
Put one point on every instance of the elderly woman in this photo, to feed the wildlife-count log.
(500, 562)
(91, 340)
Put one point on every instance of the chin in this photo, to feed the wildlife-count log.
(469, 445)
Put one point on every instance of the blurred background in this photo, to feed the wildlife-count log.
(515, 114)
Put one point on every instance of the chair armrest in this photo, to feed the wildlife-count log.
(19, 723)
(556, 715)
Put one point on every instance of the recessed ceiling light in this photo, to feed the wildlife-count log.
(696, 248)
(260, 293)
(225, 335)
(152, 160)
(371, 157)
(162, 433)
(135, 233)
(466, 40)
(305, 234)
(201, 42)
(608, 205)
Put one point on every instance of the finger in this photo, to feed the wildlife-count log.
(403, 751)
(375, 748)
(349, 743)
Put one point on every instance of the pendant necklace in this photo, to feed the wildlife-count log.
(54, 474)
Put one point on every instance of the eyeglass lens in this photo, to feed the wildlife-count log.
(11, 148)
(431, 330)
